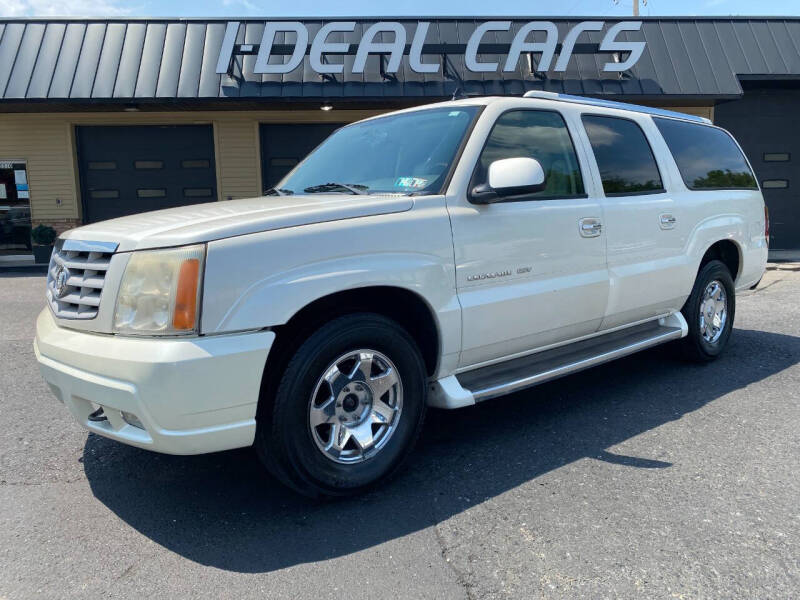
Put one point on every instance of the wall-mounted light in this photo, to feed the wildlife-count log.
(131, 108)
(326, 107)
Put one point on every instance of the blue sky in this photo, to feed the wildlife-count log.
(314, 8)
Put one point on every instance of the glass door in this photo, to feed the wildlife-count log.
(15, 209)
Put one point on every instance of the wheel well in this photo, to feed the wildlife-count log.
(401, 305)
(725, 251)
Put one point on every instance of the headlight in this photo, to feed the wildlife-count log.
(160, 292)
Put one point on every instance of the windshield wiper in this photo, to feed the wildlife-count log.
(278, 192)
(333, 186)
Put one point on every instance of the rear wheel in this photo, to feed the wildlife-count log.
(348, 409)
(709, 312)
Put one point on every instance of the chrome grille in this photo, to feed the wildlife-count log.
(76, 276)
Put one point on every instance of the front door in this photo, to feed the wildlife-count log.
(15, 209)
(531, 271)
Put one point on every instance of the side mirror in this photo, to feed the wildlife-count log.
(510, 177)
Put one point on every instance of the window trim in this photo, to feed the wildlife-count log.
(692, 188)
(526, 197)
(662, 190)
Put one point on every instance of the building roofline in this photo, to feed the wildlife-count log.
(400, 18)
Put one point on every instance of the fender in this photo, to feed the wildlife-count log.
(261, 280)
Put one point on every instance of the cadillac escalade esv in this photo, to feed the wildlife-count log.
(438, 256)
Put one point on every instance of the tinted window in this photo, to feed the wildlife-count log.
(707, 157)
(624, 157)
(538, 134)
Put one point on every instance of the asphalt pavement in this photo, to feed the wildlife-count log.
(647, 477)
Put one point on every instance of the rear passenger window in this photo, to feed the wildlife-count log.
(707, 157)
(624, 158)
(538, 134)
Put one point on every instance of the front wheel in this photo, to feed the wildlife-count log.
(348, 409)
(709, 312)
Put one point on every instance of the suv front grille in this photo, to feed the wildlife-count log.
(76, 276)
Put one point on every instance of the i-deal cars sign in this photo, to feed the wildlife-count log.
(321, 47)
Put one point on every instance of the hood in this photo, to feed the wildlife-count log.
(217, 220)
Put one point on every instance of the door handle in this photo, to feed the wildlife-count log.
(590, 227)
(667, 221)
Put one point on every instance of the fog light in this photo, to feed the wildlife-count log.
(131, 419)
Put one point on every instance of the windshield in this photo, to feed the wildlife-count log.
(400, 154)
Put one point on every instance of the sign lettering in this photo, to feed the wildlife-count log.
(272, 57)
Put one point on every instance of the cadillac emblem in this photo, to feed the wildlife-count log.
(62, 275)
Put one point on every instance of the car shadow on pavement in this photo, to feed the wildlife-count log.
(223, 510)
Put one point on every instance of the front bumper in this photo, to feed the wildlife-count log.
(192, 396)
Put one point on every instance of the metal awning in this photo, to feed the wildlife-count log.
(111, 61)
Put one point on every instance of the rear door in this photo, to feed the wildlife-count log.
(531, 271)
(644, 224)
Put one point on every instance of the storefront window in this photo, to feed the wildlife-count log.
(15, 209)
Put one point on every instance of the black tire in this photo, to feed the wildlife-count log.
(694, 346)
(284, 440)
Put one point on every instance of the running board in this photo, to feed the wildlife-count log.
(517, 374)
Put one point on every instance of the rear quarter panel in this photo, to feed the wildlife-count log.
(736, 215)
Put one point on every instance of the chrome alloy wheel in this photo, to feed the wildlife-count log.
(355, 407)
(713, 311)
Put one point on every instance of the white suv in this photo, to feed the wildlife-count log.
(441, 255)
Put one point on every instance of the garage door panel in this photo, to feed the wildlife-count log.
(132, 169)
(283, 146)
(765, 122)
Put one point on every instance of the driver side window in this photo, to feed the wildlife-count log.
(539, 134)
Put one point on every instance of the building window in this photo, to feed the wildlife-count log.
(148, 164)
(152, 193)
(103, 165)
(197, 192)
(104, 194)
(196, 164)
(624, 158)
(777, 157)
(282, 162)
(775, 184)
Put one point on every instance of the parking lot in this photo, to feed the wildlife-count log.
(647, 477)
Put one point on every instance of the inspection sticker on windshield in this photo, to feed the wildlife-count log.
(411, 182)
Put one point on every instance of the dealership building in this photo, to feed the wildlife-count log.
(107, 117)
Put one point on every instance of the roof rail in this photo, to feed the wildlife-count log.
(658, 112)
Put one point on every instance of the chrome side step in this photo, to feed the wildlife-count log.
(511, 376)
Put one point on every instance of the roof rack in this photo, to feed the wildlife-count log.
(659, 112)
